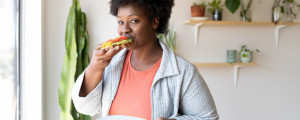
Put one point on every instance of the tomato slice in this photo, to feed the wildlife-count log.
(123, 37)
(117, 39)
(110, 40)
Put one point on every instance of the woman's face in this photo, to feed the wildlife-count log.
(134, 22)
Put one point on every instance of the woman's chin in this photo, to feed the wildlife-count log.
(130, 47)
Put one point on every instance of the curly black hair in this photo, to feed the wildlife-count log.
(154, 8)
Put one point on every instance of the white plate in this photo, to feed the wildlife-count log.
(120, 117)
(199, 18)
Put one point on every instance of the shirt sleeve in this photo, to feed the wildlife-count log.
(196, 100)
(90, 104)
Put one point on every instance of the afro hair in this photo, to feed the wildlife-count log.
(154, 8)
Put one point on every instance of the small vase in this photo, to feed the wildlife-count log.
(231, 56)
(246, 15)
(246, 56)
(217, 15)
(276, 12)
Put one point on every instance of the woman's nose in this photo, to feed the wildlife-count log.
(124, 29)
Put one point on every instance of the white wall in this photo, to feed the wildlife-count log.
(269, 90)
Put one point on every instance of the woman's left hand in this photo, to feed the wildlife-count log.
(161, 118)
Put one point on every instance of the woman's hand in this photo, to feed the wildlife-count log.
(94, 72)
(161, 118)
(101, 58)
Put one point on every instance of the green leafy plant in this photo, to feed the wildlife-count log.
(291, 10)
(75, 61)
(245, 49)
(198, 9)
(232, 5)
(202, 3)
(169, 38)
(246, 54)
(215, 5)
(245, 10)
(288, 0)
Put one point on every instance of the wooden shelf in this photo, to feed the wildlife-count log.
(210, 22)
(235, 65)
(223, 64)
(198, 23)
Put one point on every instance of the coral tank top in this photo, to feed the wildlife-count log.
(133, 97)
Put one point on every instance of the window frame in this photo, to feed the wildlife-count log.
(31, 99)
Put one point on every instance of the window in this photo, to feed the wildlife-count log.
(9, 59)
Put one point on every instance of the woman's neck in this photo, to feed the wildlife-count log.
(147, 55)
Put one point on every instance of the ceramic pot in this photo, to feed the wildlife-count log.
(231, 56)
(246, 56)
(197, 11)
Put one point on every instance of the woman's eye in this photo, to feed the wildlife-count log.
(134, 21)
(120, 22)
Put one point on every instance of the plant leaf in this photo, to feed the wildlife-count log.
(232, 5)
(249, 4)
(75, 61)
(69, 67)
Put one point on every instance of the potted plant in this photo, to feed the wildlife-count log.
(216, 9)
(246, 54)
(290, 10)
(75, 61)
(198, 9)
(233, 5)
(245, 12)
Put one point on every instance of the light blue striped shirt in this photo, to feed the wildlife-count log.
(178, 90)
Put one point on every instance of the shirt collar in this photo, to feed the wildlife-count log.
(168, 65)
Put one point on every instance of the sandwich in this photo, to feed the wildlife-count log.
(121, 41)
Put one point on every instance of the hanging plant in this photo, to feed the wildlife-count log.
(75, 61)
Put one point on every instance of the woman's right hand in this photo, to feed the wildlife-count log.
(94, 72)
(101, 58)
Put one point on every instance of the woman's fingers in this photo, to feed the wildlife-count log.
(103, 54)
(161, 118)
(98, 47)
(100, 52)
(104, 62)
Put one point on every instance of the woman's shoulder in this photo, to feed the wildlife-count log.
(183, 63)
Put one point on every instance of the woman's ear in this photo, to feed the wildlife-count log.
(155, 23)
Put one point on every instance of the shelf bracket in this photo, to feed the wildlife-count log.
(236, 70)
(196, 34)
(277, 28)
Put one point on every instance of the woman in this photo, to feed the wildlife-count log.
(145, 80)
